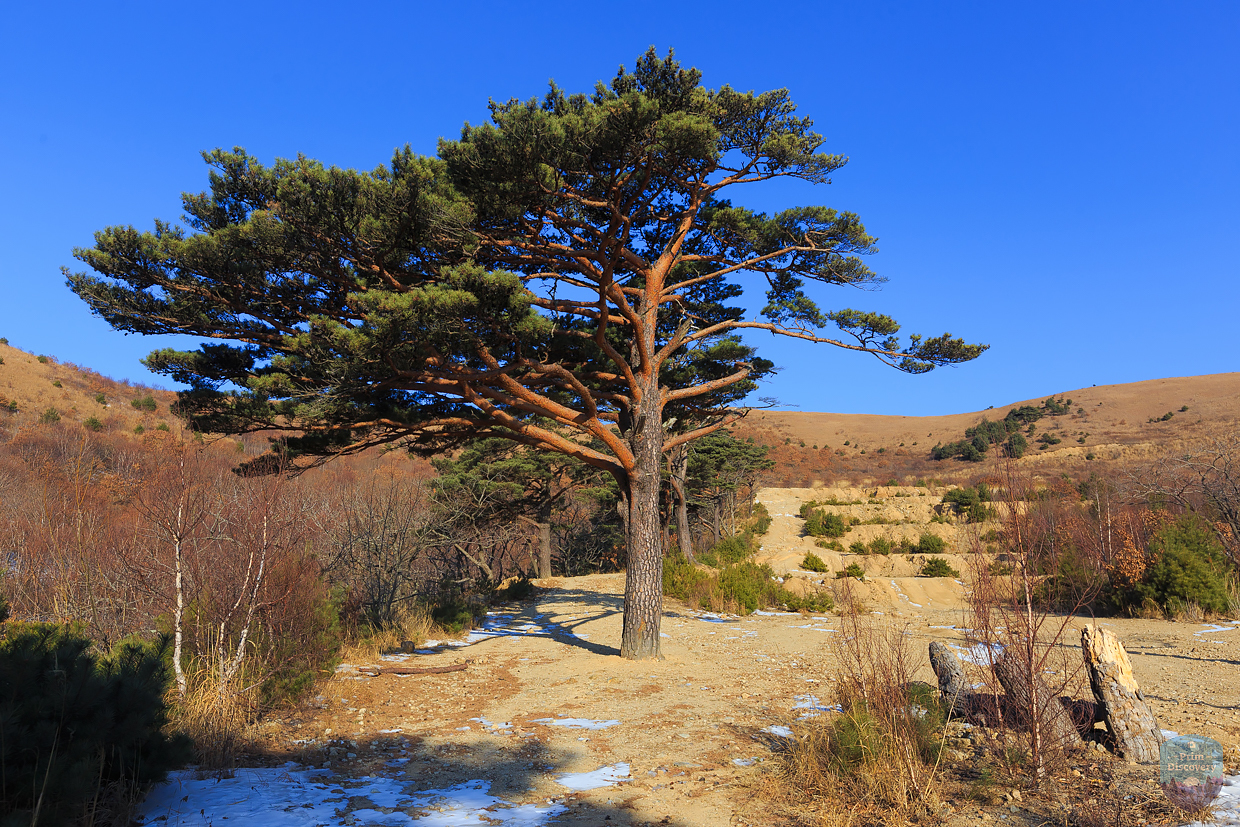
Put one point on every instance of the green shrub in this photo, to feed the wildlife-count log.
(727, 551)
(1047, 440)
(858, 547)
(970, 501)
(74, 722)
(833, 545)
(931, 544)
(163, 426)
(1183, 408)
(811, 602)
(139, 430)
(101, 399)
(813, 562)
(1016, 446)
(12, 406)
(3, 340)
(93, 424)
(937, 567)
(822, 524)
(42, 359)
(881, 545)
(146, 403)
(50, 417)
(56, 383)
(761, 520)
(1190, 567)
(749, 586)
(683, 580)
(851, 570)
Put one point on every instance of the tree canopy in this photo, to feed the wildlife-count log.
(558, 276)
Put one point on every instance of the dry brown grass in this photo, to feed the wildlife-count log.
(414, 624)
(221, 724)
(876, 762)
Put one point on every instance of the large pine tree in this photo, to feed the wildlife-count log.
(565, 263)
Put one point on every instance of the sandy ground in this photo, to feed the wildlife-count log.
(693, 729)
(687, 737)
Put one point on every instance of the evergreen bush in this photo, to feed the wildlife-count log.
(938, 567)
(1189, 567)
(822, 524)
(74, 722)
(813, 562)
(851, 570)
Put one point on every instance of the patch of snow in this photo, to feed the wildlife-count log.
(745, 762)
(491, 725)
(289, 796)
(1213, 627)
(762, 613)
(602, 777)
(781, 731)
(979, 653)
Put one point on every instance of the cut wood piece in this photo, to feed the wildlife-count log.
(410, 670)
(1128, 717)
(956, 691)
(1031, 700)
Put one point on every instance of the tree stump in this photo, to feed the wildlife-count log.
(957, 692)
(1031, 699)
(1128, 717)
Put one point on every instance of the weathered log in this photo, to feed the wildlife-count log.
(409, 670)
(1128, 717)
(956, 691)
(1029, 698)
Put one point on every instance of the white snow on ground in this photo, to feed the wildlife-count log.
(576, 723)
(761, 613)
(1226, 806)
(292, 797)
(904, 596)
(812, 707)
(602, 777)
(781, 731)
(1214, 627)
(979, 653)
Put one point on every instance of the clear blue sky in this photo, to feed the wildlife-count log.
(1060, 180)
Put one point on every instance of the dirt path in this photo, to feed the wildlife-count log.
(687, 735)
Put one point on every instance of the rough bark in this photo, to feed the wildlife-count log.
(1040, 710)
(643, 582)
(679, 463)
(956, 691)
(544, 549)
(1122, 706)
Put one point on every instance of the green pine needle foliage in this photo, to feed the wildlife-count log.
(1190, 567)
(73, 720)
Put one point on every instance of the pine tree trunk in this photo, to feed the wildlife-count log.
(679, 470)
(643, 586)
(543, 563)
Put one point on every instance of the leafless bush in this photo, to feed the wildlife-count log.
(876, 761)
(1021, 636)
(1205, 480)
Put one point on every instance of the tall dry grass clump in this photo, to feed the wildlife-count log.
(218, 720)
(875, 762)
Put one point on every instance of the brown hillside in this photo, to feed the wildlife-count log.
(1114, 421)
(73, 392)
